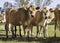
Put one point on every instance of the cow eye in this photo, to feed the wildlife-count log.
(46, 11)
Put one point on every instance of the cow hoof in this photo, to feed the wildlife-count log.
(36, 38)
(44, 38)
(20, 35)
(6, 37)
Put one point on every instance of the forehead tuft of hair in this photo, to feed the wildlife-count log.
(50, 9)
(45, 8)
(31, 6)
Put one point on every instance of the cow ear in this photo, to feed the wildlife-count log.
(25, 8)
(37, 8)
(30, 9)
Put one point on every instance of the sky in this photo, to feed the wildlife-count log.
(3, 1)
(53, 4)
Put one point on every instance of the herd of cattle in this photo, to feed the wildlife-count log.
(29, 17)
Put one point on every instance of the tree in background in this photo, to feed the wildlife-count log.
(18, 2)
(24, 2)
(21, 2)
(58, 6)
(40, 3)
(47, 2)
(7, 5)
(0, 8)
(43, 3)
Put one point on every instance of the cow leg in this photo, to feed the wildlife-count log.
(20, 31)
(28, 33)
(59, 26)
(24, 32)
(27, 30)
(13, 36)
(24, 28)
(41, 30)
(37, 31)
(31, 27)
(55, 29)
(15, 31)
(31, 32)
(6, 28)
(44, 32)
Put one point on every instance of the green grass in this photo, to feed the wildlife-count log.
(39, 40)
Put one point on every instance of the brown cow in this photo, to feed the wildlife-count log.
(16, 17)
(38, 19)
(54, 14)
(57, 19)
(49, 17)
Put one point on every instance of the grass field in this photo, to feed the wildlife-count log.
(50, 38)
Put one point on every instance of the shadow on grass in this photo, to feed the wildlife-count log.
(31, 39)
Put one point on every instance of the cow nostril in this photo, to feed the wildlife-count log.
(32, 16)
(45, 13)
(45, 17)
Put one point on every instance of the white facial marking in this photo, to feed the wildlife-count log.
(34, 12)
(51, 15)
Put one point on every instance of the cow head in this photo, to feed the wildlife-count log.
(45, 11)
(25, 7)
(50, 15)
(33, 10)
